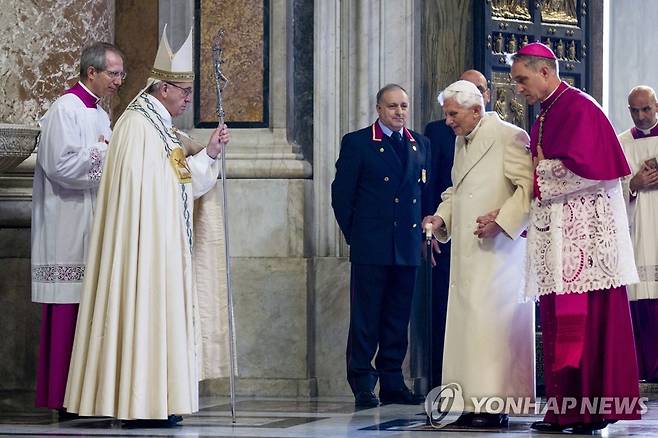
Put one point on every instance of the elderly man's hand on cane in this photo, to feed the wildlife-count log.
(428, 226)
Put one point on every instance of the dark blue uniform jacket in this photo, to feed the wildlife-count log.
(378, 203)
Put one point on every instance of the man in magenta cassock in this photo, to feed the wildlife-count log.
(580, 256)
(75, 132)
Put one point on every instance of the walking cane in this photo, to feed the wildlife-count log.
(428, 289)
(221, 81)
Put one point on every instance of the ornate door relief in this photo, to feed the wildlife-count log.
(503, 26)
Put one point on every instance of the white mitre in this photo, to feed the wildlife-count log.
(169, 66)
(460, 86)
(173, 67)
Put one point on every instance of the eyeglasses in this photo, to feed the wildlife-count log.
(116, 74)
(481, 88)
(186, 91)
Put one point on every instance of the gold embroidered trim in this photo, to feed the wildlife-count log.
(171, 76)
(183, 172)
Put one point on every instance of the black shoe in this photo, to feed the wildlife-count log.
(366, 399)
(64, 415)
(545, 426)
(175, 419)
(402, 396)
(152, 424)
(464, 419)
(589, 428)
(490, 420)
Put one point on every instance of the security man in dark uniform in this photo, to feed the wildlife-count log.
(379, 197)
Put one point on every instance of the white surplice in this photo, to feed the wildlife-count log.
(489, 338)
(577, 239)
(66, 177)
(137, 344)
(643, 218)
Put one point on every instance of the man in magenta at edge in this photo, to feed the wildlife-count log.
(580, 252)
(74, 136)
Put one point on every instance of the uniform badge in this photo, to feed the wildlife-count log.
(423, 176)
(178, 161)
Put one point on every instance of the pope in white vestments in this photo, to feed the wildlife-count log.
(489, 338)
(137, 351)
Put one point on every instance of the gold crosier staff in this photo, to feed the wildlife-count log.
(221, 81)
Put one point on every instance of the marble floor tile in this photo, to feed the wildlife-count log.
(301, 417)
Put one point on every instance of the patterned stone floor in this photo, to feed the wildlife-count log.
(325, 418)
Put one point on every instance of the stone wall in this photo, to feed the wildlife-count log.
(447, 51)
(41, 43)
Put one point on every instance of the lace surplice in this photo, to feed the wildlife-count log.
(578, 238)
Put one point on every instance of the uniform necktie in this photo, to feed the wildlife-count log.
(397, 138)
(399, 146)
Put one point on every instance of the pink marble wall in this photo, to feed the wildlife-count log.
(40, 43)
(242, 21)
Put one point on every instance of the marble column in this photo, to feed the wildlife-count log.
(377, 48)
(632, 55)
(329, 289)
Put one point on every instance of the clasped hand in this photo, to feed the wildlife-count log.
(645, 179)
(487, 226)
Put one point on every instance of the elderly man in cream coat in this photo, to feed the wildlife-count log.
(484, 213)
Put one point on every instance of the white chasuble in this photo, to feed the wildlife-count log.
(137, 349)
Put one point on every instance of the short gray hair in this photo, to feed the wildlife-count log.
(154, 87)
(389, 87)
(94, 55)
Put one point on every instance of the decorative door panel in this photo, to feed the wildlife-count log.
(503, 26)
